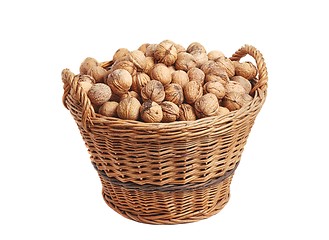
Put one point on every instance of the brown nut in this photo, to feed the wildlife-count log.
(149, 65)
(179, 48)
(99, 93)
(186, 112)
(232, 86)
(143, 47)
(216, 88)
(215, 55)
(120, 53)
(166, 53)
(245, 83)
(139, 81)
(161, 73)
(87, 64)
(180, 77)
(170, 111)
(154, 91)
(206, 106)
(185, 61)
(199, 57)
(85, 78)
(174, 93)
(98, 73)
(131, 94)
(234, 100)
(85, 86)
(227, 64)
(192, 91)
(151, 112)
(196, 74)
(127, 65)
(138, 59)
(150, 50)
(195, 46)
(120, 81)
(128, 108)
(222, 111)
(245, 69)
(109, 109)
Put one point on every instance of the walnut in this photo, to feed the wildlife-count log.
(196, 74)
(180, 77)
(98, 73)
(120, 81)
(179, 48)
(222, 111)
(149, 65)
(216, 88)
(186, 113)
(206, 106)
(154, 91)
(215, 55)
(199, 57)
(150, 50)
(87, 64)
(232, 86)
(245, 69)
(243, 82)
(174, 93)
(143, 47)
(166, 53)
(195, 46)
(120, 53)
(138, 59)
(161, 73)
(99, 93)
(139, 81)
(170, 111)
(151, 112)
(214, 72)
(85, 78)
(109, 109)
(127, 65)
(131, 94)
(85, 86)
(128, 108)
(192, 91)
(234, 100)
(185, 61)
(227, 64)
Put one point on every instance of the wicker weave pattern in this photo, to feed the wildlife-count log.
(161, 154)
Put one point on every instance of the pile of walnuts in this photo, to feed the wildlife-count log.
(165, 82)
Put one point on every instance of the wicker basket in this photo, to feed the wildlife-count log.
(166, 173)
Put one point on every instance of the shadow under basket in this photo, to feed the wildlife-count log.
(166, 173)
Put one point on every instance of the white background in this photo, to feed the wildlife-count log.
(49, 189)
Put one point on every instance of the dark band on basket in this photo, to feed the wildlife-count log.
(168, 187)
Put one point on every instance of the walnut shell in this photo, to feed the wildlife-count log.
(128, 108)
(185, 61)
(227, 64)
(186, 112)
(143, 47)
(214, 72)
(179, 48)
(234, 100)
(222, 111)
(85, 86)
(127, 65)
(195, 46)
(206, 106)
(216, 88)
(243, 82)
(161, 73)
(98, 73)
(99, 93)
(139, 81)
(149, 65)
(180, 77)
(174, 93)
(150, 50)
(192, 91)
(170, 111)
(151, 112)
(109, 109)
(215, 55)
(87, 64)
(196, 74)
(138, 59)
(120, 81)
(245, 69)
(166, 53)
(85, 78)
(154, 91)
(131, 94)
(232, 86)
(120, 53)
(199, 57)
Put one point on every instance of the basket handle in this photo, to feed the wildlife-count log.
(261, 66)
(72, 87)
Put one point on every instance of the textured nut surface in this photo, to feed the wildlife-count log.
(149, 64)
(234, 100)
(232, 86)
(128, 108)
(196, 74)
(150, 50)
(139, 81)
(151, 112)
(170, 111)
(166, 53)
(138, 59)
(130, 94)
(185, 61)
(243, 82)
(199, 57)
(227, 64)
(195, 46)
(98, 73)
(87, 64)
(143, 47)
(180, 77)
(215, 55)
(216, 88)
(161, 73)
(186, 112)
(85, 86)
(192, 91)
(206, 106)
(154, 91)
(120, 53)
(127, 65)
(99, 93)
(245, 69)
(109, 109)
(174, 93)
(120, 81)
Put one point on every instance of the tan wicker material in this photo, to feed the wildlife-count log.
(166, 173)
